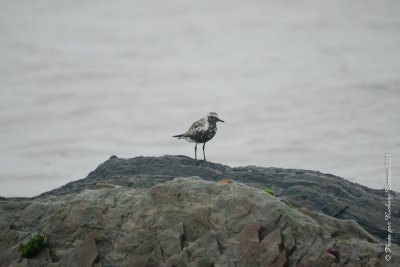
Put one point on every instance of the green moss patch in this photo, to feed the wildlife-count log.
(33, 247)
(269, 191)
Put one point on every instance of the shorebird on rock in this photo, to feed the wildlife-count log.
(201, 131)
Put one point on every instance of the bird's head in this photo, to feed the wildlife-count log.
(212, 117)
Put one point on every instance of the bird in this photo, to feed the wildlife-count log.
(201, 131)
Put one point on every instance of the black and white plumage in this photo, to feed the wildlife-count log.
(201, 131)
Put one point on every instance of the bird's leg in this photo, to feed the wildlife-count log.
(195, 152)
(204, 153)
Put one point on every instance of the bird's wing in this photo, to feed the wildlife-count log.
(198, 126)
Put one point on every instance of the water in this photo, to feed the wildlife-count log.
(300, 84)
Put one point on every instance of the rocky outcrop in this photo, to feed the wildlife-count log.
(183, 222)
(325, 193)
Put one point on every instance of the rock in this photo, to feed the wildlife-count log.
(42, 259)
(83, 255)
(104, 185)
(183, 222)
(324, 193)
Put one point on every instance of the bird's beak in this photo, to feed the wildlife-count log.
(220, 120)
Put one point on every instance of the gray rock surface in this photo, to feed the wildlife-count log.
(183, 222)
(325, 193)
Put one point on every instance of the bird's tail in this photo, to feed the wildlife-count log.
(178, 136)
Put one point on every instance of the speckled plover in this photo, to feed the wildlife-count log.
(201, 131)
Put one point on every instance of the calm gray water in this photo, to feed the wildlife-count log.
(300, 84)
